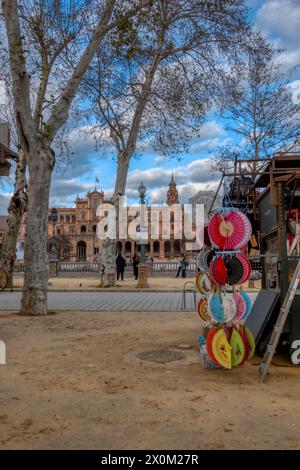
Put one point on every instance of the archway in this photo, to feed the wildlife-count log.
(177, 247)
(156, 248)
(119, 247)
(81, 251)
(167, 249)
(127, 248)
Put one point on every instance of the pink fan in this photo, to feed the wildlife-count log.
(240, 306)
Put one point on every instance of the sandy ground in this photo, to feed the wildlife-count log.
(72, 381)
(92, 283)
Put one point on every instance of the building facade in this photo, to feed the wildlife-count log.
(74, 235)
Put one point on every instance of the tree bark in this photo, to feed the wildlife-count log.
(16, 210)
(34, 298)
(108, 264)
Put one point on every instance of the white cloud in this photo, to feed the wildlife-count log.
(279, 21)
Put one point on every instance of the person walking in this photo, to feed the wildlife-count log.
(184, 265)
(121, 263)
(179, 265)
(135, 262)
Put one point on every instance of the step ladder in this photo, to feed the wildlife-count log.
(283, 314)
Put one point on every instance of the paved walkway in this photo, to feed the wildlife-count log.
(114, 301)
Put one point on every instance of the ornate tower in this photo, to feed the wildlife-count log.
(172, 194)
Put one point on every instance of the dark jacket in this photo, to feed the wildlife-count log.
(120, 262)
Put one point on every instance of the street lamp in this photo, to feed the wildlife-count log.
(142, 191)
(53, 255)
(143, 267)
(53, 218)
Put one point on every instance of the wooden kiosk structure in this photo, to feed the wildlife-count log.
(277, 210)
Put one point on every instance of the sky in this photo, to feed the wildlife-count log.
(279, 21)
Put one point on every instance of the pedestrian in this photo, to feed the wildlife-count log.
(184, 265)
(121, 263)
(179, 265)
(135, 262)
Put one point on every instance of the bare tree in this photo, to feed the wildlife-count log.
(18, 202)
(258, 108)
(157, 77)
(39, 36)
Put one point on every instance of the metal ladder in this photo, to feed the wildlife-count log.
(283, 314)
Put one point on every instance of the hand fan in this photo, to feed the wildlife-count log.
(212, 332)
(218, 271)
(248, 304)
(240, 307)
(235, 270)
(226, 230)
(216, 309)
(221, 349)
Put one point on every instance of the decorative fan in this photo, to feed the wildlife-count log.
(235, 270)
(215, 308)
(237, 348)
(248, 304)
(248, 231)
(203, 311)
(212, 332)
(218, 271)
(240, 307)
(227, 230)
(230, 307)
(203, 259)
(204, 284)
(221, 349)
(247, 268)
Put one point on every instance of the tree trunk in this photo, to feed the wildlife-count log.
(34, 298)
(16, 209)
(108, 263)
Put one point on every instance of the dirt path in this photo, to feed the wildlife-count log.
(73, 382)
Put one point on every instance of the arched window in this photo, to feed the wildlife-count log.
(127, 248)
(67, 219)
(83, 229)
(83, 216)
(73, 219)
(156, 248)
(177, 247)
(62, 220)
(167, 249)
(94, 228)
(81, 251)
(119, 247)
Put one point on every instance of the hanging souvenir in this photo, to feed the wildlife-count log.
(218, 270)
(237, 348)
(240, 307)
(235, 270)
(203, 311)
(221, 349)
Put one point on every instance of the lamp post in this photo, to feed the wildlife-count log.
(53, 255)
(53, 218)
(143, 267)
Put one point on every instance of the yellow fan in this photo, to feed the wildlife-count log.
(222, 349)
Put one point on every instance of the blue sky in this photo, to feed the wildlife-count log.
(279, 21)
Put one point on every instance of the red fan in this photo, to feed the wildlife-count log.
(247, 268)
(227, 231)
(218, 271)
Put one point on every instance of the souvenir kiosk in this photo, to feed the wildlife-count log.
(277, 210)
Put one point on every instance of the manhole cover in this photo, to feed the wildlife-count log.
(161, 356)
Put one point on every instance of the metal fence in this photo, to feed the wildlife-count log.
(81, 267)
